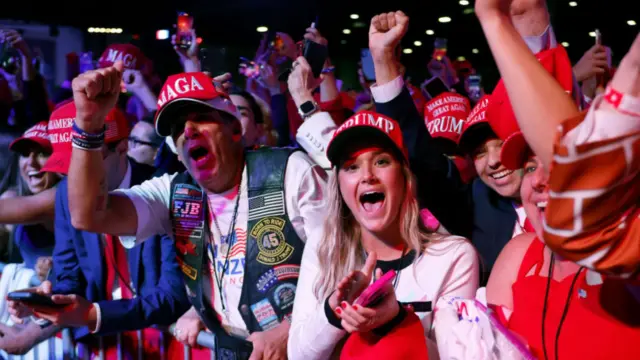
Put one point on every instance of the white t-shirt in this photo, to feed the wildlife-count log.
(447, 267)
(305, 183)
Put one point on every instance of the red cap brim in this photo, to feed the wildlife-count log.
(514, 151)
(339, 144)
(19, 144)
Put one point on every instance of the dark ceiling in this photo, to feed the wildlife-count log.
(233, 23)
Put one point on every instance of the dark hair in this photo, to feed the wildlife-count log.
(150, 119)
(253, 104)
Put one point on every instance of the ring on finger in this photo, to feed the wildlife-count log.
(295, 63)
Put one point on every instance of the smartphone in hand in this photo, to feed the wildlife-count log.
(376, 291)
(184, 26)
(33, 299)
(434, 87)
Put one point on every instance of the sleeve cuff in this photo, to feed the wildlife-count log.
(386, 328)
(98, 319)
(331, 316)
(387, 92)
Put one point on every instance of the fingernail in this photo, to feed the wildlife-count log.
(344, 304)
(356, 307)
(338, 311)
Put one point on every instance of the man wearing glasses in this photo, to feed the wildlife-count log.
(144, 143)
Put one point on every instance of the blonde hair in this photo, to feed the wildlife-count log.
(340, 250)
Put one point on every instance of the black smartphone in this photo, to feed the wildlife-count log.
(434, 87)
(31, 298)
(316, 55)
(184, 25)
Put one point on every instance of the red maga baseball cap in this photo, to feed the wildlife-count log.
(189, 89)
(515, 149)
(130, 55)
(445, 115)
(59, 129)
(476, 129)
(369, 125)
(36, 135)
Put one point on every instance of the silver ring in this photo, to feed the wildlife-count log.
(295, 63)
(176, 332)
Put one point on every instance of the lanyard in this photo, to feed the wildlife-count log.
(232, 225)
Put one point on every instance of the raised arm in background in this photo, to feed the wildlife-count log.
(92, 208)
(539, 102)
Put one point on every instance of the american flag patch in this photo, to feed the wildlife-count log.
(266, 205)
(182, 191)
(112, 130)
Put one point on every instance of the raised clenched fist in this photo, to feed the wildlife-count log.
(386, 31)
(95, 93)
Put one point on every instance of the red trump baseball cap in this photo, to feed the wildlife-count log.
(187, 90)
(366, 125)
(59, 130)
(130, 55)
(476, 129)
(445, 115)
(515, 149)
(36, 135)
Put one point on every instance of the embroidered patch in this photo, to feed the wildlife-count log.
(287, 271)
(271, 204)
(265, 314)
(283, 295)
(188, 270)
(272, 245)
(187, 218)
(266, 281)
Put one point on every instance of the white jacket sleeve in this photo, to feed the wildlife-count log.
(311, 335)
(314, 136)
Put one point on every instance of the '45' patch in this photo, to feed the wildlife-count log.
(272, 245)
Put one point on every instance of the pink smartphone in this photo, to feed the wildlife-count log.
(375, 291)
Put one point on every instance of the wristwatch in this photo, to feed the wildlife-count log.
(307, 109)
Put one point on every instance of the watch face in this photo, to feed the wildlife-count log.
(307, 107)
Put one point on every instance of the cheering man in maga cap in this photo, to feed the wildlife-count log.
(239, 218)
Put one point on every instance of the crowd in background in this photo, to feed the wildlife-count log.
(494, 224)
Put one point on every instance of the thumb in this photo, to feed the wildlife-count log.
(45, 288)
(119, 66)
(64, 299)
(370, 264)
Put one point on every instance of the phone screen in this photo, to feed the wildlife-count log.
(439, 48)
(474, 81)
(367, 65)
(185, 22)
(434, 87)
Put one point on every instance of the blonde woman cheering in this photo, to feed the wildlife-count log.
(373, 222)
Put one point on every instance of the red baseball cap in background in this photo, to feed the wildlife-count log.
(369, 125)
(36, 135)
(59, 129)
(476, 129)
(445, 115)
(189, 89)
(515, 149)
(131, 56)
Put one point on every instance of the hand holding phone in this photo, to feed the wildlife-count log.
(33, 299)
(184, 28)
(376, 291)
(434, 87)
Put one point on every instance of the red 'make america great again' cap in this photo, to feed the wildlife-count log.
(189, 89)
(367, 125)
(59, 129)
(36, 135)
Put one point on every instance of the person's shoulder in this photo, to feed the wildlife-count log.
(519, 244)
(449, 246)
(300, 160)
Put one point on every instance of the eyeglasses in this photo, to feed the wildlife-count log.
(133, 142)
